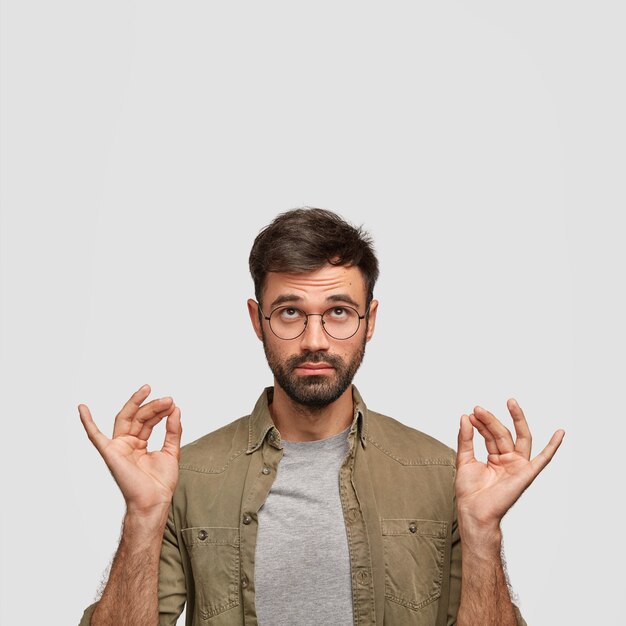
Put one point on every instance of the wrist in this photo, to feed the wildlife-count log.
(140, 529)
(480, 538)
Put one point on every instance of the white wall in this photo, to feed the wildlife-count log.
(144, 144)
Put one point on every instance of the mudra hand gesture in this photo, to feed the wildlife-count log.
(147, 479)
(486, 491)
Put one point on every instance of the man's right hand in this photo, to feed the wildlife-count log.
(147, 479)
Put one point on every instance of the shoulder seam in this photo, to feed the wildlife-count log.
(210, 470)
(416, 462)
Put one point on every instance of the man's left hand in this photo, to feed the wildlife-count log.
(486, 491)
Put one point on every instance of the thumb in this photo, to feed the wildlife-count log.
(99, 440)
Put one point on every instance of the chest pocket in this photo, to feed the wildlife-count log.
(414, 554)
(214, 556)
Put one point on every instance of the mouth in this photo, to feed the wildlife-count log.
(308, 369)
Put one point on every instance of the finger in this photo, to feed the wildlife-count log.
(148, 412)
(148, 425)
(173, 433)
(465, 445)
(501, 434)
(545, 456)
(99, 440)
(523, 438)
(490, 442)
(124, 418)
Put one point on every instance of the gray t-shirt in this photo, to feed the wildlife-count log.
(302, 564)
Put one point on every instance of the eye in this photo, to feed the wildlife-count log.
(289, 313)
(338, 312)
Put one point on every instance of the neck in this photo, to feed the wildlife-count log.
(298, 422)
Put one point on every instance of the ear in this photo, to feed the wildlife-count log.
(253, 311)
(371, 322)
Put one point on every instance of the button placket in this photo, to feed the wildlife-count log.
(259, 480)
(358, 542)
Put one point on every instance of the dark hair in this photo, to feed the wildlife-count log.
(303, 240)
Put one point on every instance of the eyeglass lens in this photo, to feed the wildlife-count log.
(340, 322)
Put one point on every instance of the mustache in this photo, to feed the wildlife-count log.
(314, 357)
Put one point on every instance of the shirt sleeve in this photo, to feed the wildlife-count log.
(172, 584)
(172, 591)
(518, 616)
(455, 573)
(85, 620)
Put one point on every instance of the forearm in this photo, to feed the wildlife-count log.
(485, 597)
(130, 596)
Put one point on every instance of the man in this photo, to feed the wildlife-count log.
(313, 509)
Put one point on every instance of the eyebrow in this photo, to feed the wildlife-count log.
(292, 297)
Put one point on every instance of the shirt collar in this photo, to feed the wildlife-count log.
(262, 425)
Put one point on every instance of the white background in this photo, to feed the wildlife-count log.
(144, 144)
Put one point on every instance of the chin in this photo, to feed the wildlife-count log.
(314, 391)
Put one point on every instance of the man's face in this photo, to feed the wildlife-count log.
(314, 369)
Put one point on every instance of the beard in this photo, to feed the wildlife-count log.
(315, 391)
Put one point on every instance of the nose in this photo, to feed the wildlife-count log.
(314, 337)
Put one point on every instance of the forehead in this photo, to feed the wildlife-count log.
(317, 285)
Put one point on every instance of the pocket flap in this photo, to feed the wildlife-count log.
(415, 526)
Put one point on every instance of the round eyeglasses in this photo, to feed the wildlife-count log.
(339, 322)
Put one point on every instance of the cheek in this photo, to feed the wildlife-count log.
(278, 350)
(349, 351)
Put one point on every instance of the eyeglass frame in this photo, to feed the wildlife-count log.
(306, 321)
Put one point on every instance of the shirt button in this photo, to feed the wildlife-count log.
(244, 582)
(413, 527)
(247, 519)
(362, 576)
(352, 515)
(266, 470)
(202, 535)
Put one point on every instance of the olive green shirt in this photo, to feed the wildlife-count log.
(397, 493)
